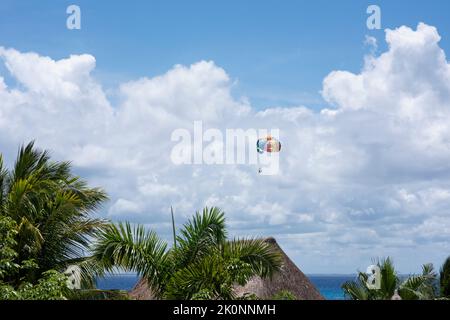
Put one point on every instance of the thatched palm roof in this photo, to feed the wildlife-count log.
(290, 278)
(142, 291)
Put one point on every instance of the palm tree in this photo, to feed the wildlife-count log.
(51, 208)
(202, 264)
(444, 279)
(420, 287)
(415, 287)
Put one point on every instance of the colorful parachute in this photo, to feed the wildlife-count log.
(268, 144)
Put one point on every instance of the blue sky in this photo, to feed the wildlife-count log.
(108, 98)
(278, 51)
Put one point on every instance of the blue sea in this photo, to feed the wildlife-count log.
(328, 285)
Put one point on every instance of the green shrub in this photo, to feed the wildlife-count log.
(284, 295)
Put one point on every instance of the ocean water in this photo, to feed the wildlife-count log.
(328, 285)
(117, 281)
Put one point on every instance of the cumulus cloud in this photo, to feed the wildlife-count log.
(368, 176)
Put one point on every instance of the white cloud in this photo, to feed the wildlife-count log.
(369, 176)
(123, 206)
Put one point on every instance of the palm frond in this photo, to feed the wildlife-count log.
(199, 235)
(422, 287)
(208, 278)
(354, 291)
(444, 278)
(3, 185)
(30, 237)
(389, 278)
(135, 249)
(262, 257)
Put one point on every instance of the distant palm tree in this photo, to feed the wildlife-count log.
(415, 287)
(51, 208)
(202, 264)
(444, 279)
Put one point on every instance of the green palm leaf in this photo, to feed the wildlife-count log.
(204, 231)
(134, 249)
(444, 279)
(261, 256)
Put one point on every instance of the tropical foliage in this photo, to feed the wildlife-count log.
(45, 222)
(284, 295)
(445, 279)
(51, 286)
(415, 287)
(202, 264)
